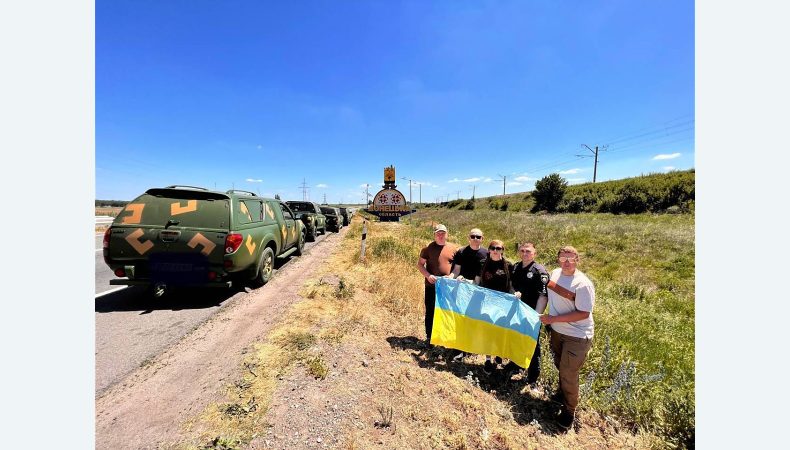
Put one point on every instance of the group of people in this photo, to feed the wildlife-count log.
(566, 291)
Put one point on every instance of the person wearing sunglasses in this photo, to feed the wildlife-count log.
(571, 300)
(495, 275)
(435, 261)
(467, 263)
(529, 281)
(469, 259)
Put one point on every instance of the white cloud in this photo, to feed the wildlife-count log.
(522, 178)
(570, 171)
(424, 183)
(254, 181)
(666, 156)
(472, 180)
(668, 168)
(487, 180)
(514, 183)
(454, 180)
(321, 185)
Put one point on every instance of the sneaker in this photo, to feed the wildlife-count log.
(489, 367)
(565, 419)
(459, 356)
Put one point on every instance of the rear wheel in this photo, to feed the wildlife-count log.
(300, 244)
(311, 233)
(266, 268)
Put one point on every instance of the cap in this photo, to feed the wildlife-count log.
(439, 228)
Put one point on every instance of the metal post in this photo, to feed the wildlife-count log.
(364, 236)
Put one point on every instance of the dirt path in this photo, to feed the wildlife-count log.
(148, 409)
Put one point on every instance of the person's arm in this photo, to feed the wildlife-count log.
(542, 302)
(425, 274)
(572, 316)
(456, 272)
(477, 280)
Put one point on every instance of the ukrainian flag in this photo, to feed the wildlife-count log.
(483, 321)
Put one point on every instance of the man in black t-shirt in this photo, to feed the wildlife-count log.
(468, 260)
(529, 281)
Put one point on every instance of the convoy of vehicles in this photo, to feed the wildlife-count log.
(186, 236)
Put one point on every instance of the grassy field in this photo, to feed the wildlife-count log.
(641, 368)
(638, 382)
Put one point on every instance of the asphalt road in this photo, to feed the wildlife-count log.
(132, 327)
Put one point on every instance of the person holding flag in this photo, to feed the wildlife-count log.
(571, 300)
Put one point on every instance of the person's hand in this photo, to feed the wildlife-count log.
(461, 278)
(518, 294)
(546, 319)
(432, 279)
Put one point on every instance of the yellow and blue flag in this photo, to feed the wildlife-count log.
(483, 321)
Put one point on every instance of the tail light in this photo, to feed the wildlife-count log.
(212, 276)
(232, 243)
(106, 240)
(119, 272)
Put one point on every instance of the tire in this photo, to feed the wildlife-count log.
(300, 245)
(266, 268)
(311, 234)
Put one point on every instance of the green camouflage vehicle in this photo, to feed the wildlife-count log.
(334, 221)
(310, 214)
(189, 236)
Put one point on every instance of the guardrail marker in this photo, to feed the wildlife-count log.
(364, 235)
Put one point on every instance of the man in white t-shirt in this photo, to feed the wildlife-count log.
(571, 301)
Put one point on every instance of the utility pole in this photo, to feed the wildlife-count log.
(595, 153)
(473, 191)
(421, 193)
(404, 178)
(304, 187)
(325, 198)
(504, 180)
(458, 195)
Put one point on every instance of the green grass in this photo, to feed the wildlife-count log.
(641, 367)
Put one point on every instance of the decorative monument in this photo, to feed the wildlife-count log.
(389, 204)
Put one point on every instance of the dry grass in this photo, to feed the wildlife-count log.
(416, 399)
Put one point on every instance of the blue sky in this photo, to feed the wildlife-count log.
(263, 95)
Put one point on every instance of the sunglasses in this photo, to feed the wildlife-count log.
(499, 249)
(563, 259)
(474, 236)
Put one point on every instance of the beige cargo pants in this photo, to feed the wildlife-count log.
(569, 355)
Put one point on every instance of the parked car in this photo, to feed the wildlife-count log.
(190, 236)
(334, 221)
(310, 214)
(346, 213)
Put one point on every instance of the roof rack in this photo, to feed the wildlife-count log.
(237, 191)
(176, 186)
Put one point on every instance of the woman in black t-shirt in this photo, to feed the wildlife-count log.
(495, 275)
(496, 270)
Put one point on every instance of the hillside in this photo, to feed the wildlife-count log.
(671, 192)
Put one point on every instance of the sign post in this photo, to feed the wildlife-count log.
(389, 204)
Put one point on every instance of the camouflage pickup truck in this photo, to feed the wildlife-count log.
(188, 236)
(334, 221)
(310, 214)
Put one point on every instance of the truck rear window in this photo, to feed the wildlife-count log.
(182, 208)
(302, 206)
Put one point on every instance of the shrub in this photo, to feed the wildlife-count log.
(548, 192)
